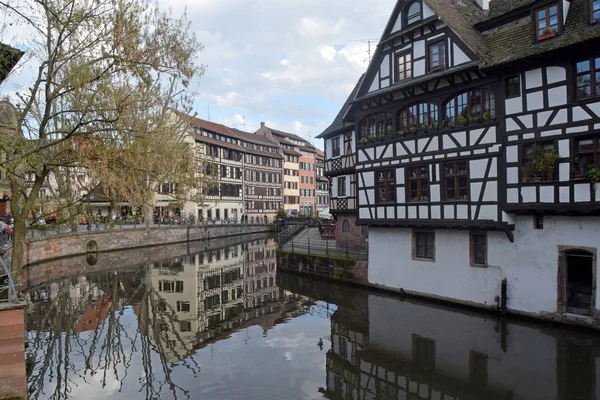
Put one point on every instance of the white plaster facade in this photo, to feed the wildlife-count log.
(530, 264)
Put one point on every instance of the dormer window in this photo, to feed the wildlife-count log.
(413, 12)
(594, 11)
(547, 21)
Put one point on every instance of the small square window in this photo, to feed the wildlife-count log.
(424, 245)
(479, 249)
(513, 87)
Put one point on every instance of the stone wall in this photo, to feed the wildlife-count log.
(350, 271)
(52, 270)
(354, 238)
(73, 244)
(13, 378)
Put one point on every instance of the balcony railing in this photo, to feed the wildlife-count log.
(343, 204)
(339, 164)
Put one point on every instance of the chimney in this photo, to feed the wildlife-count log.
(483, 4)
(262, 124)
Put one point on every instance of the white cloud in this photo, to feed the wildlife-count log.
(291, 62)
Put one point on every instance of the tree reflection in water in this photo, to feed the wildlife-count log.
(103, 326)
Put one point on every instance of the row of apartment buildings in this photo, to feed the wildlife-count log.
(253, 176)
(470, 150)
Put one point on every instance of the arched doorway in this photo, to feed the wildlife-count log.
(578, 275)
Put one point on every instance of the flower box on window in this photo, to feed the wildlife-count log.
(548, 35)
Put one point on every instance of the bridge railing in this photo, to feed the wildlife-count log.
(329, 249)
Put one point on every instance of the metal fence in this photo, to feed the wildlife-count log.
(8, 288)
(324, 248)
(49, 230)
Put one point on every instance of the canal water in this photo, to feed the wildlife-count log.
(221, 323)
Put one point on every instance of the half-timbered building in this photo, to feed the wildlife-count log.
(263, 177)
(477, 127)
(299, 168)
(322, 187)
(340, 163)
(224, 160)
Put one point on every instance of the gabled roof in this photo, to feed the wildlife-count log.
(257, 139)
(459, 15)
(254, 138)
(207, 125)
(518, 36)
(498, 8)
(9, 57)
(338, 123)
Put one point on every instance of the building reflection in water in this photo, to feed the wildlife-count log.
(170, 309)
(408, 350)
(141, 331)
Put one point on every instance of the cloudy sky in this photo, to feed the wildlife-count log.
(291, 63)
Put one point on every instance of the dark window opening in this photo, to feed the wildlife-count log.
(386, 186)
(478, 370)
(579, 266)
(513, 87)
(538, 222)
(437, 56)
(341, 189)
(587, 154)
(456, 183)
(345, 226)
(403, 66)
(587, 75)
(423, 352)
(424, 245)
(336, 147)
(478, 249)
(547, 22)
(539, 162)
(418, 184)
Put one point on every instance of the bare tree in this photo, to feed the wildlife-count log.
(99, 108)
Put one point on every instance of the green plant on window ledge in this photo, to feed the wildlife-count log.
(594, 175)
(364, 140)
(487, 115)
(541, 164)
(460, 120)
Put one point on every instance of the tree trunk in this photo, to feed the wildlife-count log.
(18, 244)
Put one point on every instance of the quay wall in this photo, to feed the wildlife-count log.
(73, 244)
(350, 271)
(60, 268)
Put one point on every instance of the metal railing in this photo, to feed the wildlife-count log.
(8, 288)
(288, 233)
(49, 230)
(327, 249)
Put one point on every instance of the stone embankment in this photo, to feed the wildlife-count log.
(67, 245)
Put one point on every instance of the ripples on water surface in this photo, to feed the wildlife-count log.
(222, 324)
